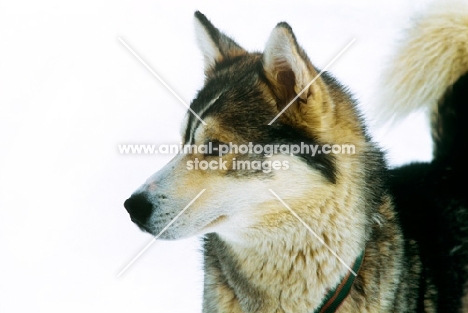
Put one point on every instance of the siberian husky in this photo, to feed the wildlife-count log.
(296, 231)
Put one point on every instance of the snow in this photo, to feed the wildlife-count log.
(70, 92)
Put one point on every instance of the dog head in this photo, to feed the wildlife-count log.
(273, 99)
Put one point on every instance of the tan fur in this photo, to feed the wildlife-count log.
(258, 256)
(282, 261)
(426, 65)
(465, 299)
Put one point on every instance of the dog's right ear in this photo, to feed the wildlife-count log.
(216, 46)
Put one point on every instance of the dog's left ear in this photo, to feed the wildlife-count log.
(289, 71)
(215, 45)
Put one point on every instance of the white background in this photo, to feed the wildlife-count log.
(70, 93)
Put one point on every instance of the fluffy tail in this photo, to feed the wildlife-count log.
(430, 70)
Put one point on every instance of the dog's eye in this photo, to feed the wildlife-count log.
(216, 148)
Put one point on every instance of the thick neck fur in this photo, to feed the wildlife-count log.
(283, 267)
(280, 266)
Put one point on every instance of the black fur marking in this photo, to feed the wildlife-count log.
(285, 134)
(432, 202)
(225, 46)
(242, 107)
(212, 31)
(450, 127)
(433, 208)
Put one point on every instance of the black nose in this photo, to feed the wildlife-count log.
(139, 208)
